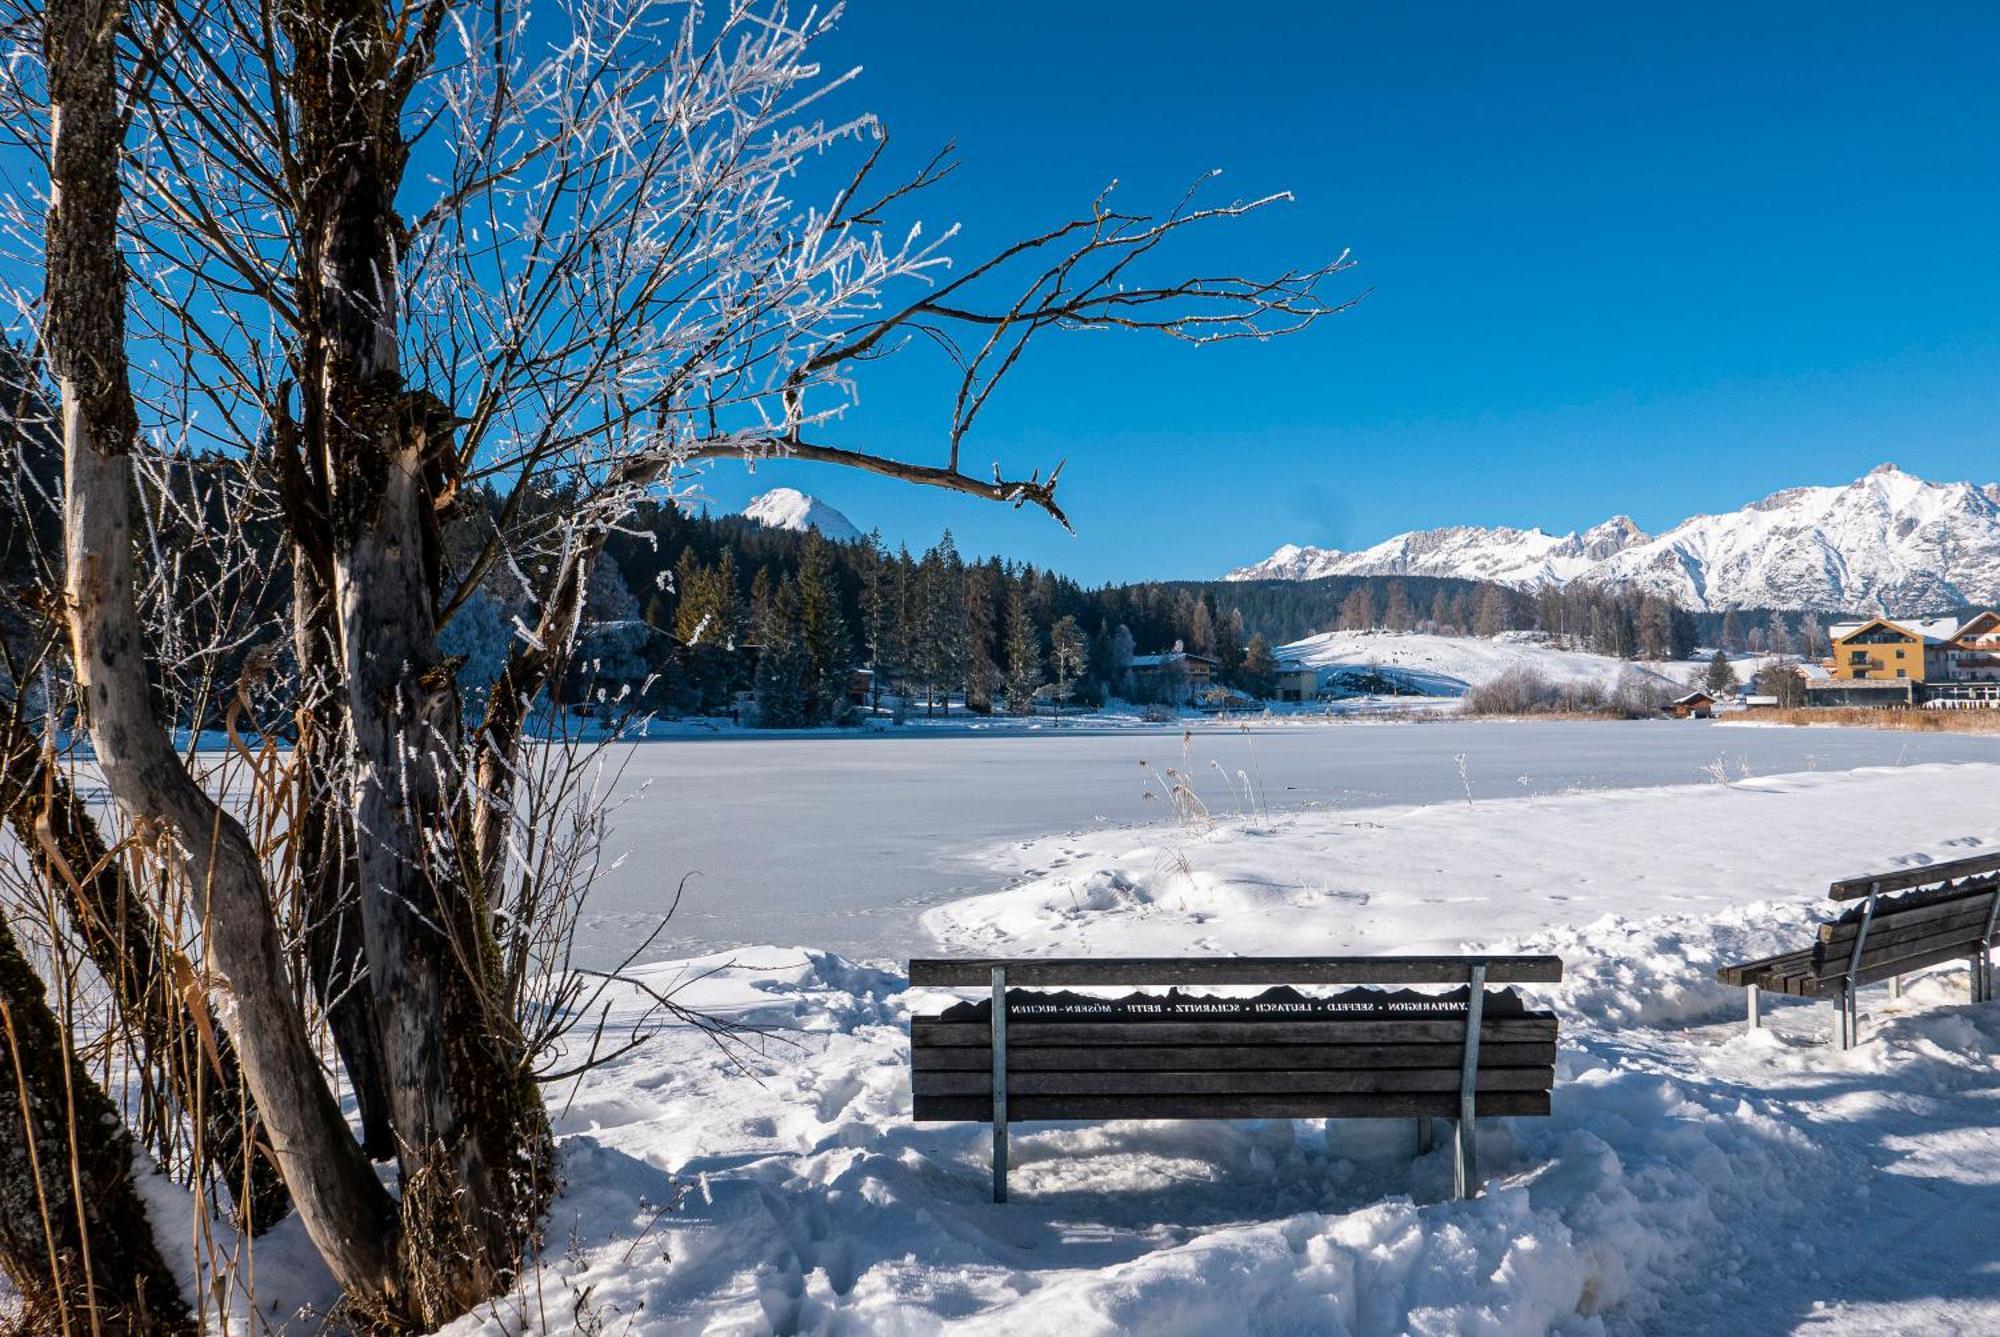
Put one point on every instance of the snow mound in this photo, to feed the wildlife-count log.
(789, 508)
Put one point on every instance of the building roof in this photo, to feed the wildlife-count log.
(1693, 697)
(1931, 630)
(1171, 657)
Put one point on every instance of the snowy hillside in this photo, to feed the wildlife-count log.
(1888, 541)
(1449, 665)
(789, 508)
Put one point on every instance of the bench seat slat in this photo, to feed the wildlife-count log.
(1267, 1082)
(1378, 1105)
(1755, 972)
(1166, 971)
(1530, 1029)
(1176, 1058)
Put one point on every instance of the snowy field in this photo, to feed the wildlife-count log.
(1691, 1179)
(842, 841)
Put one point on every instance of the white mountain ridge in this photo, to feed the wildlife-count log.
(1889, 542)
(789, 508)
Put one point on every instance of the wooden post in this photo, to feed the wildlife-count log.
(999, 1023)
(1465, 1166)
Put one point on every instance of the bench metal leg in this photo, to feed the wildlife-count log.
(1755, 1019)
(1465, 1163)
(1426, 1135)
(999, 1083)
(1844, 1031)
(1464, 1160)
(1972, 970)
(1895, 986)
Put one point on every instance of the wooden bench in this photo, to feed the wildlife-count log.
(1905, 921)
(1020, 1055)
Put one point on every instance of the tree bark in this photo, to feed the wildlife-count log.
(74, 1236)
(343, 1206)
(123, 941)
(323, 836)
(473, 1140)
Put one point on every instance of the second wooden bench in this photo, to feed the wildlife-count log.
(1906, 920)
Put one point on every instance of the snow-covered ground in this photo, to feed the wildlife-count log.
(1692, 1178)
(1449, 665)
(840, 841)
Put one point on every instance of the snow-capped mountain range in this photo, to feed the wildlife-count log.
(1887, 542)
(789, 508)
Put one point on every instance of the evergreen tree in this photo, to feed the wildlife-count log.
(1721, 676)
(1024, 655)
(694, 606)
(1229, 646)
(907, 599)
(760, 598)
(782, 664)
(981, 672)
(942, 649)
(1260, 668)
(823, 638)
(880, 618)
(727, 600)
(1732, 631)
(1066, 656)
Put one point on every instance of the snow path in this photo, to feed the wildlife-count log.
(1692, 1177)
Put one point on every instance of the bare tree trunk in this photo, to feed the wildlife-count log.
(344, 1207)
(74, 1236)
(323, 836)
(122, 939)
(473, 1137)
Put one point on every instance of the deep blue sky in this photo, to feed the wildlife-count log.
(1657, 260)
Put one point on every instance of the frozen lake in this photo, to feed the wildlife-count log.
(840, 841)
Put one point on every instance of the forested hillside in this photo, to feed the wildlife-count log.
(697, 614)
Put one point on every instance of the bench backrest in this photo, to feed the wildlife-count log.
(1364, 1053)
(1920, 875)
(1908, 932)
